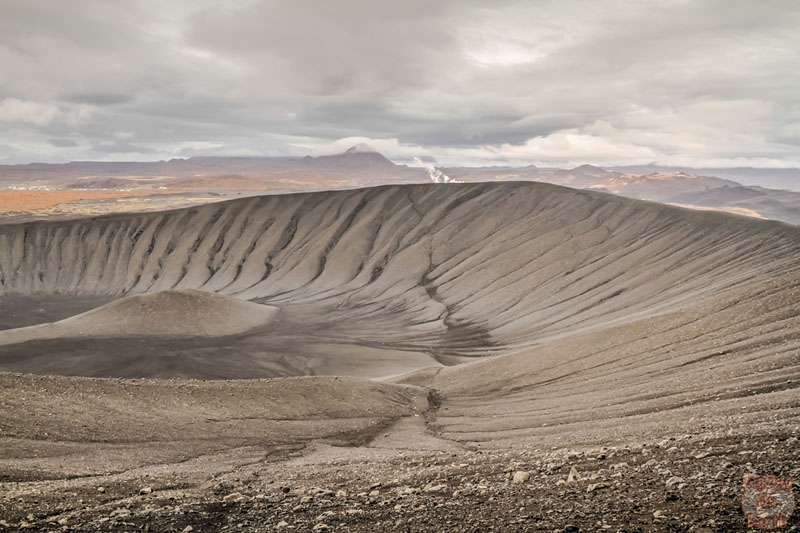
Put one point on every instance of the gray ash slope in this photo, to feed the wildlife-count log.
(386, 280)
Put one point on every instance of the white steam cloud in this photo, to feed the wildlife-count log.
(436, 175)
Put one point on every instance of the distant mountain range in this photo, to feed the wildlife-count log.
(775, 178)
(361, 166)
(688, 189)
(357, 159)
(360, 158)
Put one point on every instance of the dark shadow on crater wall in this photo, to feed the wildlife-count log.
(17, 311)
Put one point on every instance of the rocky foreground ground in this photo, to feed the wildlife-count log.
(690, 482)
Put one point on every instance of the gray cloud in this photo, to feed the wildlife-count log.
(64, 143)
(97, 99)
(120, 147)
(705, 83)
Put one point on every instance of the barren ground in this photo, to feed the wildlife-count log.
(416, 349)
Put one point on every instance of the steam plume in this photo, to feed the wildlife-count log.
(436, 175)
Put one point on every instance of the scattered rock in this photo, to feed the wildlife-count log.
(101, 489)
(282, 524)
(596, 486)
(234, 497)
(145, 490)
(187, 529)
(321, 527)
(573, 476)
(674, 482)
(520, 477)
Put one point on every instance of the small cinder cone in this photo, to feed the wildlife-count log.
(573, 475)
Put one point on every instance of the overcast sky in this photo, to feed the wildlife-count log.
(699, 83)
